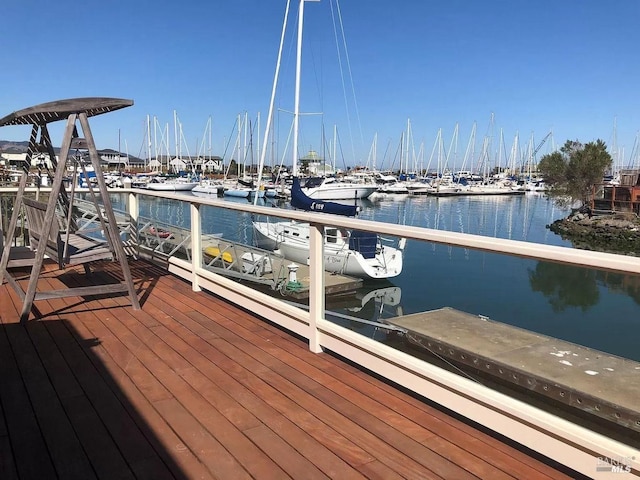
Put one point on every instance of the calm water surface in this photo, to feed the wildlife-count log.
(593, 308)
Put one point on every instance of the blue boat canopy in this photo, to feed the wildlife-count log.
(300, 200)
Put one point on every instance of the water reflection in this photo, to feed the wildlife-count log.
(568, 286)
(620, 283)
(377, 303)
(565, 286)
(367, 309)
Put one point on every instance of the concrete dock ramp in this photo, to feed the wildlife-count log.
(590, 380)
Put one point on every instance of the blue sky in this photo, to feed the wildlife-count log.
(568, 66)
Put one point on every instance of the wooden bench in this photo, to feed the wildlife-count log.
(65, 248)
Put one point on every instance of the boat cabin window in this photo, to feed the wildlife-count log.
(332, 235)
(313, 182)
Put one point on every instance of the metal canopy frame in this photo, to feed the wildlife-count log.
(76, 110)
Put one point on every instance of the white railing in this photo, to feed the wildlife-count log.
(568, 443)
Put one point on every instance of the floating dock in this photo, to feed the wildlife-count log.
(601, 384)
(471, 193)
(271, 269)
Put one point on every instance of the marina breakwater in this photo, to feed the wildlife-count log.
(615, 233)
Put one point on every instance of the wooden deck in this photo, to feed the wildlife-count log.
(194, 387)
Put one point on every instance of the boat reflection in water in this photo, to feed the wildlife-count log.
(367, 310)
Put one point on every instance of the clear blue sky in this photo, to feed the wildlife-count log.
(567, 66)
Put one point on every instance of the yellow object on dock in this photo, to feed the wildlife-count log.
(214, 252)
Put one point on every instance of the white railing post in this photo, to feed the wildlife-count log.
(316, 284)
(133, 209)
(196, 245)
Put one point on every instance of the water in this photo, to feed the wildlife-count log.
(592, 308)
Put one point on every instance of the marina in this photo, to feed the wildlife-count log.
(421, 310)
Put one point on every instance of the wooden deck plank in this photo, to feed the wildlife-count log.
(28, 449)
(219, 312)
(121, 451)
(297, 466)
(340, 426)
(194, 387)
(65, 449)
(101, 450)
(477, 442)
(8, 469)
(198, 439)
(219, 361)
(507, 458)
(503, 457)
(311, 448)
(153, 427)
(370, 422)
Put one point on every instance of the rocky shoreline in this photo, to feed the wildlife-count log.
(613, 233)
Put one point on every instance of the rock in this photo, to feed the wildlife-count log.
(616, 233)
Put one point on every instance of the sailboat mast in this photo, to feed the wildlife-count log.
(276, 75)
(296, 101)
(146, 163)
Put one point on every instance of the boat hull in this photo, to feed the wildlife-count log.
(339, 191)
(291, 240)
(172, 187)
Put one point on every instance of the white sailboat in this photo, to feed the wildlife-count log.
(350, 252)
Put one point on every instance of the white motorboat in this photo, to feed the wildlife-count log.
(178, 184)
(330, 188)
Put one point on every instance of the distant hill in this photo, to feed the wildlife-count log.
(13, 147)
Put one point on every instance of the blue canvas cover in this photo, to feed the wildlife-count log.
(363, 242)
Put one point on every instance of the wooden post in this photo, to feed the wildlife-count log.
(112, 231)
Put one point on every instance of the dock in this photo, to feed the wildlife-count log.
(601, 384)
(270, 269)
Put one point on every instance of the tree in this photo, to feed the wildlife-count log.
(572, 172)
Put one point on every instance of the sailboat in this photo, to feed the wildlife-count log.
(349, 252)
